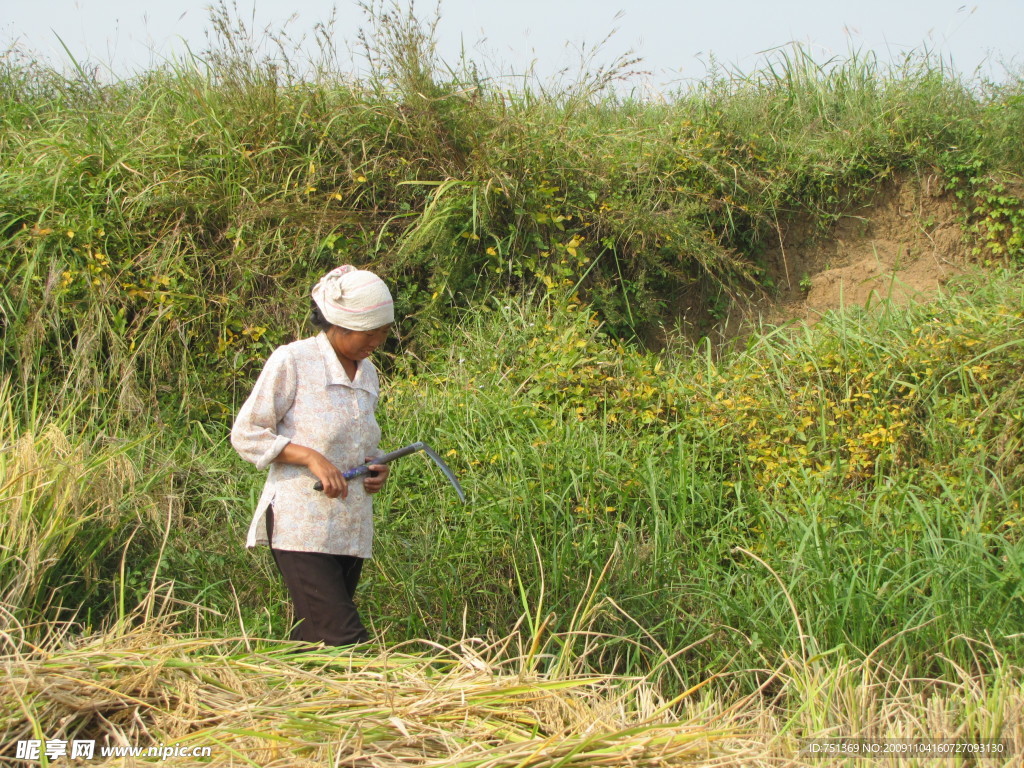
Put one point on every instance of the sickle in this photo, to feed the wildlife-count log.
(387, 458)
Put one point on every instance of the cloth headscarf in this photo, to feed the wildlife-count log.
(354, 299)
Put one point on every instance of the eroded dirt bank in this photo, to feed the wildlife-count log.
(904, 244)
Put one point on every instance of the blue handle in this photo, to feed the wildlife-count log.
(350, 474)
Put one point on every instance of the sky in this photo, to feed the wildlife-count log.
(676, 40)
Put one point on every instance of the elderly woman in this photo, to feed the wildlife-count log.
(310, 416)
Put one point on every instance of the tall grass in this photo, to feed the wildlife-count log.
(150, 219)
(852, 489)
(61, 515)
(857, 488)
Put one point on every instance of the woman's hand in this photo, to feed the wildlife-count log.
(374, 484)
(329, 475)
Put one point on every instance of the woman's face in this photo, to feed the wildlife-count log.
(357, 345)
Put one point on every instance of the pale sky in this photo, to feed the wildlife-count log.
(675, 39)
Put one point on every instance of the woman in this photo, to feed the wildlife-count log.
(311, 416)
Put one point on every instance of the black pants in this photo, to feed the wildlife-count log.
(321, 587)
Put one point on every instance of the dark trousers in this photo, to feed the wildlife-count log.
(321, 587)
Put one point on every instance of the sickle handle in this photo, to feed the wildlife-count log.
(352, 474)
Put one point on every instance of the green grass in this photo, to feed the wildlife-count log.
(695, 484)
(686, 489)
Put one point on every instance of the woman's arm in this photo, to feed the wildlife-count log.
(254, 434)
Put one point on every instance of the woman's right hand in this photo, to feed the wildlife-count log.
(330, 476)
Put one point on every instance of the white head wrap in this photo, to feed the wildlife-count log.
(354, 299)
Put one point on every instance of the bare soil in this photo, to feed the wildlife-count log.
(903, 245)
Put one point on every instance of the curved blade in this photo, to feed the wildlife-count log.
(447, 472)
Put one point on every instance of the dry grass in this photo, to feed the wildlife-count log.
(59, 496)
(474, 703)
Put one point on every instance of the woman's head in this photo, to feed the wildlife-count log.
(356, 345)
(352, 343)
(353, 299)
(354, 308)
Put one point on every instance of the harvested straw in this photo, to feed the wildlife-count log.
(471, 704)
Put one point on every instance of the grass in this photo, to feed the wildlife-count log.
(854, 487)
(829, 515)
(60, 495)
(712, 489)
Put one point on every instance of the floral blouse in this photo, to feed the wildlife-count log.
(303, 394)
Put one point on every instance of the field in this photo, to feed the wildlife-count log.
(689, 537)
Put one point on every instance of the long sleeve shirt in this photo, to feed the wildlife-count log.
(304, 395)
